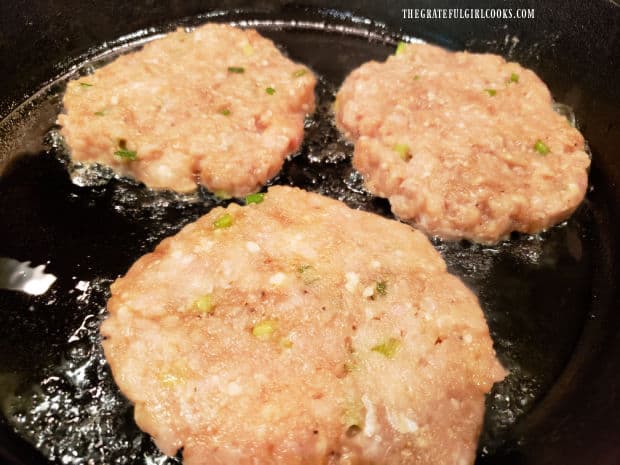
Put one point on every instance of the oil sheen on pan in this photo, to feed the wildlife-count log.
(56, 388)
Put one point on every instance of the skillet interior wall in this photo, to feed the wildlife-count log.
(574, 48)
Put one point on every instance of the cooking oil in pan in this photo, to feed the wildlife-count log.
(55, 386)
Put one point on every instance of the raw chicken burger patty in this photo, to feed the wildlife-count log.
(464, 145)
(219, 105)
(299, 331)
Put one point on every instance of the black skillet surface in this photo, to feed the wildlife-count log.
(549, 299)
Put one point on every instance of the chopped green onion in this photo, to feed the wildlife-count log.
(350, 366)
(270, 90)
(403, 151)
(387, 348)
(100, 113)
(514, 77)
(222, 195)
(416, 77)
(491, 92)
(236, 69)
(541, 147)
(264, 329)
(204, 304)
(224, 221)
(300, 72)
(308, 274)
(85, 84)
(225, 111)
(254, 198)
(126, 154)
(400, 48)
(381, 287)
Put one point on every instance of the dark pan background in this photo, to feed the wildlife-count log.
(574, 45)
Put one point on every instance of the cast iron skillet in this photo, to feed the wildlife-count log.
(550, 299)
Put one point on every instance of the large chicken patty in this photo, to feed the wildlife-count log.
(295, 330)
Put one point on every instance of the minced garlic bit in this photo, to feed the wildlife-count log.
(277, 279)
(353, 415)
(252, 247)
(247, 49)
(169, 380)
(368, 291)
(351, 281)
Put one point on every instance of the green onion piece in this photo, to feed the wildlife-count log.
(85, 84)
(308, 274)
(264, 329)
(416, 77)
(270, 90)
(204, 304)
(224, 221)
(254, 198)
(225, 111)
(541, 147)
(350, 366)
(514, 77)
(300, 72)
(222, 195)
(491, 92)
(236, 69)
(100, 113)
(125, 154)
(400, 48)
(403, 151)
(387, 348)
(381, 287)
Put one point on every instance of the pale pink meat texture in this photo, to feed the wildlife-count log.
(219, 106)
(300, 331)
(451, 140)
